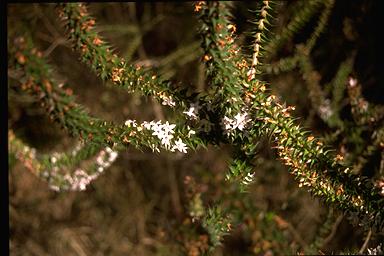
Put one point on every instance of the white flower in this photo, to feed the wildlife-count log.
(168, 101)
(352, 82)
(192, 111)
(191, 132)
(112, 156)
(162, 131)
(54, 187)
(130, 122)
(146, 125)
(156, 127)
(53, 159)
(241, 120)
(168, 128)
(159, 133)
(104, 162)
(180, 146)
(166, 140)
(375, 251)
(80, 180)
(251, 73)
(99, 159)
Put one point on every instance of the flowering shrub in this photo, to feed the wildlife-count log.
(237, 108)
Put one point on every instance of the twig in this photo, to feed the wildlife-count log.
(57, 42)
(173, 186)
(333, 231)
(296, 235)
(362, 249)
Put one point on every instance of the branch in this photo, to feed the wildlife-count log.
(260, 113)
(37, 81)
(259, 37)
(98, 55)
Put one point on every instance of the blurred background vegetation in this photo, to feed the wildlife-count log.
(141, 205)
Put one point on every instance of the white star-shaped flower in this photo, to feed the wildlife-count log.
(168, 128)
(240, 121)
(180, 146)
(191, 112)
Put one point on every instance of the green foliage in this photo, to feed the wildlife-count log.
(304, 12)
(216, 225)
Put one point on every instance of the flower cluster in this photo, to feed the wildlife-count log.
(105, 159)
(162, 131)
(166, 100)
(362, 111)
(240, 122)
(375, 251)
(80, 179)
(165, 133)
(25, 154)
